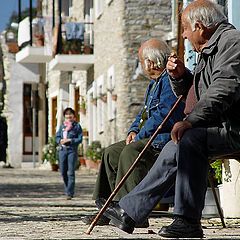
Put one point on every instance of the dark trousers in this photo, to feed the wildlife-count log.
(116, 160)
(185, 165)
(67, 162)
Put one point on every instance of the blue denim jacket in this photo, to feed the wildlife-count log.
(75, 134)
(158, 102)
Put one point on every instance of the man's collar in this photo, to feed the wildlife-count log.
(224, 26)
(164, 72)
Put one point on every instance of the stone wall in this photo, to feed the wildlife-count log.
(118, 33)
(143, 19)
(109, 51)
(78, 10)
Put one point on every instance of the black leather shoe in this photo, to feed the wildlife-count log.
(119, 218)
(100, 202)
(101, 222)
(181, 228)
(144, 224)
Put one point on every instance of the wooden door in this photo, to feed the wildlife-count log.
(54, 115)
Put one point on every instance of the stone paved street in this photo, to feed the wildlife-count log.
(33, 207)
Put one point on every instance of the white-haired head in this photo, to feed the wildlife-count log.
(206, 12)
(156, 51)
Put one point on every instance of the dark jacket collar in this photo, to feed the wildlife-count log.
(224, 26)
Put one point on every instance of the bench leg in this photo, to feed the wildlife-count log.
(210, 178)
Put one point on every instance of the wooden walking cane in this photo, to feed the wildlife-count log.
(105, 206)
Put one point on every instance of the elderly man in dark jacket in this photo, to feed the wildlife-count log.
(211, 128)
(159, 99)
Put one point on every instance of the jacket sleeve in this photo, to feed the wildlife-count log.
(182, 85)
(167, 100)
(224, 89)
(78, 139)
(58, 135)
(135, 125)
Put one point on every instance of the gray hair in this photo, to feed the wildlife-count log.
(156, 55)
(209, 15)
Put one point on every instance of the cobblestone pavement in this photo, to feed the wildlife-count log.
(32, 206)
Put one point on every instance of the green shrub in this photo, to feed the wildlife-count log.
(50, 151)
(94, 151)
(217, 167)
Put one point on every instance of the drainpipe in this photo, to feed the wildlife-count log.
(60, 27)
(30, 21)
(19, 11)
(34, 99)
(53, 13)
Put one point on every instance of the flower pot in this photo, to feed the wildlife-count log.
(55, 167)
(82, 161)
(90, 164)
(230, 190)
(210, 208)
(83, 111)
(104, 98)
(114, 97)
(94, 101)
(85, 133)
(87, 50)
(39, 40)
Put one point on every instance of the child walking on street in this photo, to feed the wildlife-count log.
(68, 137)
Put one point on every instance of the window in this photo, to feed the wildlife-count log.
(111, 95)
(67, 7)
(91, 115)
(100, 105)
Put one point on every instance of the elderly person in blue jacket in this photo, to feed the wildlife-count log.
(69, 136)
(159, 98)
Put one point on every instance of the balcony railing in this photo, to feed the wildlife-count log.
(75, 38)
(72, 47)
(31, 40)
(25, 31)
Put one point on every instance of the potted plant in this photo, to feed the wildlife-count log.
(217, 170)
(75, 46)
(94, 101)
(50, 153)
(65, 46)
(94, 154)
(81, 155)
(114, 97)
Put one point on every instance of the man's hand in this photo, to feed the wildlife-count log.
(130, 138)
(178, 130)
(175, 67)
(63, 141)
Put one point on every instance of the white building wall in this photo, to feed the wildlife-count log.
(17, 75)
